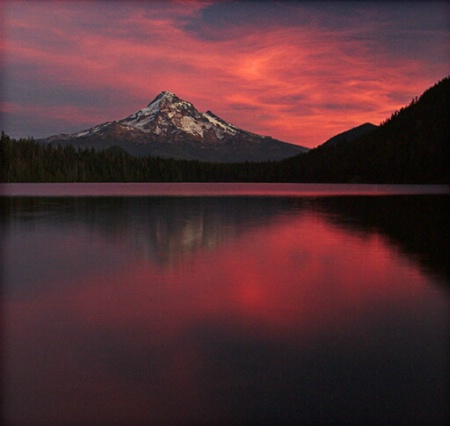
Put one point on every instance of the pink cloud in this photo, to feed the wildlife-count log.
(301, 84)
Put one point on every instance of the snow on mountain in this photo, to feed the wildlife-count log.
(171, 127)
(217, 121)
(167, 114)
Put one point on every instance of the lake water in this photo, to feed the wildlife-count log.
(225, 304)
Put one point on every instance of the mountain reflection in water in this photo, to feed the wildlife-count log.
(246, 310)
(166, 228)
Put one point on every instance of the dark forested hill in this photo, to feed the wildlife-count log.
(350, 135)
(412, 146)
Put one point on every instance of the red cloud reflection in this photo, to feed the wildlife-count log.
(301, 274)
(137, 343)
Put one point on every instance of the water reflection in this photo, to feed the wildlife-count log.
(234, 310)
(417, 225)
(166, 228)
(163, 228)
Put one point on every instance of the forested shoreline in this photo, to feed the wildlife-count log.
(412, 146)
(24, 160)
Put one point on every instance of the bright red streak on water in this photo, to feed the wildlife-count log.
(296, 279)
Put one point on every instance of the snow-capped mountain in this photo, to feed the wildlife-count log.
(167, 115)
(171, 127)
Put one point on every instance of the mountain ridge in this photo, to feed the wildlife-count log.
(173, 128)
(350, 135)
(411, 146)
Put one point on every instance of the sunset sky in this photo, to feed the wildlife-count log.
(300, 72)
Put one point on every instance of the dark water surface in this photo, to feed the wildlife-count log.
(246, 307)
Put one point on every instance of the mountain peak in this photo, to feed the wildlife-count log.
(170, 126)
(164, 96)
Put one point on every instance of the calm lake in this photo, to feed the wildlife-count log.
(174, 304)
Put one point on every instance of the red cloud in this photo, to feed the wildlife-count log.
(302, 84)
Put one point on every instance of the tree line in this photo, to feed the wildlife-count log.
(25, 160)
(412, 146)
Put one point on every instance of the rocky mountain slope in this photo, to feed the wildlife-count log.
(173, 128)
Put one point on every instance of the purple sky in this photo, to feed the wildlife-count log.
(298, 71)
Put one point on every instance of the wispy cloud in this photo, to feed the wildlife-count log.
(294, 71)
